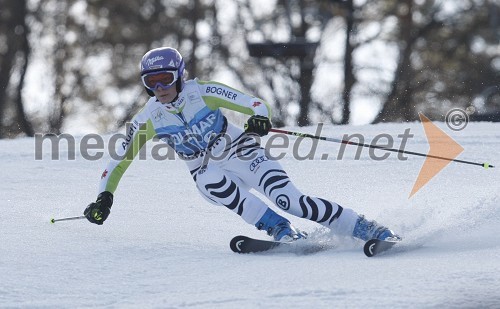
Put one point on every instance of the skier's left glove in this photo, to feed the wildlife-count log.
(258, 124)
(99, 211)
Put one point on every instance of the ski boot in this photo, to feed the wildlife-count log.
(278, 227)
(367, 230)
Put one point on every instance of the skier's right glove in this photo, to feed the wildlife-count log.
(99, 211)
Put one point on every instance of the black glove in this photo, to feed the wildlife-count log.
(99, 211)
(259, 125)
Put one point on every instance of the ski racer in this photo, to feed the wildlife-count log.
(225, 161)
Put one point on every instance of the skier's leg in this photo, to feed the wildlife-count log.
(222, 188)
(269, 178)
(219, 188)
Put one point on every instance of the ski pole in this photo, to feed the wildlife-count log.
(341, 141)
(52, 220)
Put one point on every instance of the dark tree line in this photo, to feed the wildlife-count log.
(83, 55)
(444, 61)
(14, 52)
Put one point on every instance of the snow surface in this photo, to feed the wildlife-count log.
(163, 246)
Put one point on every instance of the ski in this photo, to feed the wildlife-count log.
(377, 246)
(244, 244)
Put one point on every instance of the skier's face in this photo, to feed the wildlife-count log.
(165, 95)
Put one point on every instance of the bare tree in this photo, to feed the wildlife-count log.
(444, 59)
(14, 32)
(349, 77)
(25, 50)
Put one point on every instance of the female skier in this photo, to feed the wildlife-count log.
(224, 160)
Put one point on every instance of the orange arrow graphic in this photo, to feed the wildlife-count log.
(441, 145)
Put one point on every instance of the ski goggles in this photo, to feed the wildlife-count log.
(164, 79)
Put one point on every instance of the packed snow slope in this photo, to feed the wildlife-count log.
(164, 246)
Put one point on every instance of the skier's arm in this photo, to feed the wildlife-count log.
(218, 95)
(136, 136)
